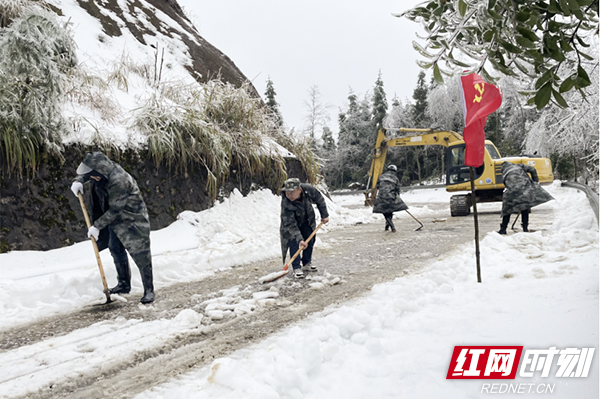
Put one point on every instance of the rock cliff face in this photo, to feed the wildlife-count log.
(41, 212)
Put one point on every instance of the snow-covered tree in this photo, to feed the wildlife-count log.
(420, 106)
(272, 102)
(317, 114)
(538, 39)
(36, 54)
(400, 115)
(444, 108)
(328, 140)
(356, 139)
(380, 105)
(570, 132)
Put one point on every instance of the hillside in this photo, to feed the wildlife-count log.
(104, 30)
(137, 81)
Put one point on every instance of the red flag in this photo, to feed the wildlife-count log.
(479, 100)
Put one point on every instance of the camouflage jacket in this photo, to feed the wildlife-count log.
(388, 194)
(116, 202)
(522, 192)
(296, 213)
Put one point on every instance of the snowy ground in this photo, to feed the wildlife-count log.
(539, 290)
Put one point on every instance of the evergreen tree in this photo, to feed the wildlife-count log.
(380, 105)
(356, 141)
(272, 103)
(328, 141)
(420, 119)
(420, 106)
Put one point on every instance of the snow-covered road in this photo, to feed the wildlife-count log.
(538, 289)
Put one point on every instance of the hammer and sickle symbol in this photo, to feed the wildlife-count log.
(480, 89)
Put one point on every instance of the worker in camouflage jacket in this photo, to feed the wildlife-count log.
(298, 222)
(388, 198)
(120, 219)
(521, 194)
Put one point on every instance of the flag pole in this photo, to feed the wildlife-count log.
(474, 198)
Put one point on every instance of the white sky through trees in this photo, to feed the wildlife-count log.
(335, 45)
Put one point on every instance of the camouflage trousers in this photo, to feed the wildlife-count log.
(136, 240)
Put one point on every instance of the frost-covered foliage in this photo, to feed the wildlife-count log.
(36, 54)
(516, 38)
(302, 148)
(11, 9)
(218, 126)
(570, 131)
(400, 115)
(445, 106)
(355, 144)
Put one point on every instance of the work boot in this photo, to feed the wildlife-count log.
(123, 278)
(146, 274)
(504, 224)
(525, 221)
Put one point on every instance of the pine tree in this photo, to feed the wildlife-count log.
(356, 141)
(380, 105)
(272, 103)
(420, 117)
(328, 141)
(420, 97)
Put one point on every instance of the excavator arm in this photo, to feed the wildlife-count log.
(419, 137)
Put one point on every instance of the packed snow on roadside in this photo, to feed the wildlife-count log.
(539, 290)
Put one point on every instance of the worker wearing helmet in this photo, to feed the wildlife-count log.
(388, 198)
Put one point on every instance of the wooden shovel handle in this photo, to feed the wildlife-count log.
(300, 249)
(95, 245)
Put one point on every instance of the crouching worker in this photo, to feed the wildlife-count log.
(388, 198)
(521, 194)
(120, 219)
(298, 222)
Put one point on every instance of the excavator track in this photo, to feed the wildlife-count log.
(460, 205)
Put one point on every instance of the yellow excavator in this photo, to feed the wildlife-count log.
(488, 177)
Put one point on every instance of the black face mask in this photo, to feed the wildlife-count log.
(94, 173)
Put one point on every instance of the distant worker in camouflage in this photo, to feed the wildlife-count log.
(120, 219)
(298, 222)
(388, 198)
(521, 194)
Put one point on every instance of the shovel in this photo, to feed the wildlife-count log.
(274, 276)
(87, 221)
(515, 222)
(416, 220)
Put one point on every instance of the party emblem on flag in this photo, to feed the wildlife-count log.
(479, 100)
